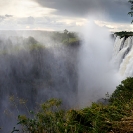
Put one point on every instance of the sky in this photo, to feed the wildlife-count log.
(57, 15)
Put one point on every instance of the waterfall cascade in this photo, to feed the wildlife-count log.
(123, 55)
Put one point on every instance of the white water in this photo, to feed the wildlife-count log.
(96, 74)
(103, 63)
(125, 54)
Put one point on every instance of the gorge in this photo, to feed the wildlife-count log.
(36, 68)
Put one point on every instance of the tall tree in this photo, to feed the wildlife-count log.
(131, 12)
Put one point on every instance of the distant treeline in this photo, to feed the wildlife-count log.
(124, 34)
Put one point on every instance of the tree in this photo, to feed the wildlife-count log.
(131, 12)
(66, 33)
(123, 92)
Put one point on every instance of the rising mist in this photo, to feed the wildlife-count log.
(36, 67)
(97, 75)
(33, 71)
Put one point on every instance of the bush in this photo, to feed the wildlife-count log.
(97, 118)
(123, 93)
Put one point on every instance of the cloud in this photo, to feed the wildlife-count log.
(61, 14)
(3, 17)
(115, 27)
(115, 9)
(8, 16)
(28, 20)
(14, 23)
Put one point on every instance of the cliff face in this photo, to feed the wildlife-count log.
(33, 73)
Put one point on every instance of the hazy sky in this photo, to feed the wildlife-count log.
(64, 14)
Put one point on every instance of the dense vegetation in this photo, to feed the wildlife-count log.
(124, 34)
(116, 117)
(34, 71)
(65, 37)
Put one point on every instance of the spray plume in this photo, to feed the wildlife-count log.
(96, 76)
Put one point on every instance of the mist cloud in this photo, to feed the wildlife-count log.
(8, 16)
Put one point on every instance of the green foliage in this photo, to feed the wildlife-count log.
(33, 45)
(71, 41)
(97, 118)
(131, 12)
(69, 37)
(48, 119)
(123, 92)
(124, 34)
(36, 46)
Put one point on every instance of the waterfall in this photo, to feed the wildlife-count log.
(36, 69)
(123, 56)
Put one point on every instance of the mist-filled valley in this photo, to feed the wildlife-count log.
(33, 72)
(79, 69)
(66, 66)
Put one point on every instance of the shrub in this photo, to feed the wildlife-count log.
(97, 118)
